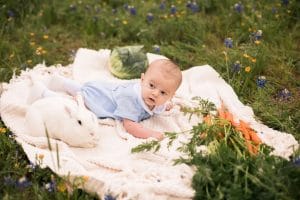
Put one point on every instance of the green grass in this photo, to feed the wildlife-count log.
(35, 31)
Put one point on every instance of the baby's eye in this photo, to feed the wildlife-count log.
(79, 122)
(151, 85)
(163, 93)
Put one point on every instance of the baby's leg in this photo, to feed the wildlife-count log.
(60, 83)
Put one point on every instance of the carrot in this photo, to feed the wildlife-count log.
(208, 120)
(254, 137)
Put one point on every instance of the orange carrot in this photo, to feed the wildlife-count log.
(208, 120)
(254, 137)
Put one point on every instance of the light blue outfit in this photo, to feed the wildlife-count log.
(117, 101)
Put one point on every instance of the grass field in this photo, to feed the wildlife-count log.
(254, 45)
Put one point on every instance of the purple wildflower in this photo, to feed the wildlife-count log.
(10, 13)
(162, 5)
(228, 42)
(189, 4)
(297, 162)
(258, 35)
(23, 182)
(239, 7)
(156, 48)
(261, 81)
(51, 186)
(173, 10)
(236, 67)
(109, 197)
(132, 10)
(285, 2)
(195, 7)
(284, 94)
(150, 17)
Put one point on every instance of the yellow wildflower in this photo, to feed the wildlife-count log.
(31, 34)
(32, 43)
(124, 22)
(253, 60)
(11, 56)
(44, 51)
(41, 156)
(45, 37)
(61, 187)
(2, 130)
(29, 61)
(247, 69)
(257, 42)
(246, 55)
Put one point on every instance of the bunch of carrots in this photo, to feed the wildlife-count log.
(252, 141)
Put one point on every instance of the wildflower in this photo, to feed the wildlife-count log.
(150, 17)
(109, 197)
(132, 10)
(9, 181)
(31, 34)
(23, 182)
(247, 69)
(41, 156)
(61, 187)
(10, 14)
(51, 186)
(228, 42)
(32, 43)
(253, 60)
(258, 35)
(285, 2)
(239, 7)
(236, 66)
(284, 94)
(2, 130)
(31, 166)
(156, 48)
(162, 5)
(11, 56)
(195, 7)
(72, 7)
(124, 22)
(29, 61)
(246, 55)
(44, 51)
(261, 81)
(173, 10)
(45, 37)
(257, 42)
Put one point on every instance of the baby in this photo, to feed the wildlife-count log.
(128, 102)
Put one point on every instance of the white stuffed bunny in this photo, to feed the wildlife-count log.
(63, 118)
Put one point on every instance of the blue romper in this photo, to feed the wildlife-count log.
(117, 101)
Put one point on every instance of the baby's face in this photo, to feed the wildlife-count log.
(157, 88)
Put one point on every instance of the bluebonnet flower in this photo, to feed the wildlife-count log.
(156, 48)
(285, 2)
(189, 4)
(132, 10)
(173, 10)
(23, 182)
(51, 186)
(195, 7)
(258, 35)
(228, 42)
(297, 162)
(236, 67)
(284, 94)
(150, 17)
(239, 7)
(162, 5)
(72, 7)
(10, 13)
(261, 81)
(125, 6)
(9, 181)
(109, 197)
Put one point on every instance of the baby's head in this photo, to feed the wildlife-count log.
(160, 82)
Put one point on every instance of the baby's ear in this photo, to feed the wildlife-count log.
(142, 76)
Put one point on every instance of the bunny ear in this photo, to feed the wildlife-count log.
(69, 110)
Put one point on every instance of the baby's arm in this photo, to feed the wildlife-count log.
(137, 130)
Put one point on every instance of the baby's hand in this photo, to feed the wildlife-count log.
(169, 106)
(157, 135)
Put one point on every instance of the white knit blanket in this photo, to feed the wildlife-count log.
(110, 167)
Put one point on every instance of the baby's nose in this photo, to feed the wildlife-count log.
(155, 93)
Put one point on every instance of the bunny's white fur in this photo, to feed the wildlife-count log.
(63, 118)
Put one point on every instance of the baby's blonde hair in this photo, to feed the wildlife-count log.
(168, 68)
